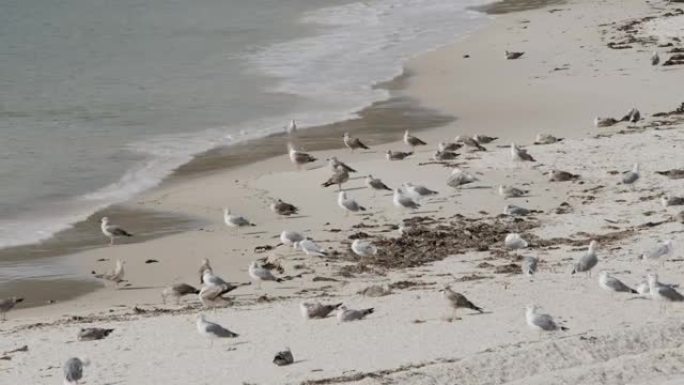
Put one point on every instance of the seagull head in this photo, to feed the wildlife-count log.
(531, 308)
(342, 195)
(346, 135)
(104, 220)
(290, 147)
(603, 274)
(636, 167)
(652, 278)
(226, 211)
(592, 246)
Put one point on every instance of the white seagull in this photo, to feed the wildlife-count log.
(631, 176)
(112, 231)
(363, 248)
(541, 322)
(403, 202)
(348, 204)
(260, 274)
(289, 238)
(587, 261)
(236, 221)
(610, 283)
(459, 178)
(514, 241)
(299, 158)
(73, 370)
(664, 250)
(310, 248)
(345, 314)
(212, 330)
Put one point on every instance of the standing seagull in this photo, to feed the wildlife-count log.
(412, 141)
(655, 59)
(335, 163)
(283, 208)
(8, 304)
(376, 184)
(458, 300)
(339, 177)
(541, 322)
(418, 191)
(260, 274)
(520, 154)
(631, 176)
(587, 261)
(299, 158)
(116, 275)
(177, 291)
(73, 370)
(363, 248)
(663, 292)
(112, 231)
(310, 248)
(610, 283)
(404, 202)
(348, 204)
(235, 221)
(291, 127)
(212, 296)
(664, 250)
(353, 143)
(345, 315)
(212, 330)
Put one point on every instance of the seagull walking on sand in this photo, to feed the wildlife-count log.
(335, 163)
(511, 192)
(520, 154)
(610, 283)
(260, 274)
(235, 221)
(661, 252)
(212, 330)
(290, 238)
(283, 208)
(353, 143)
(529, 265)
(348, 204)
(630, 177)
(363, 248)
(299, 158)
(112, 231)
(459, 178)
(397, 155)
(310, 248)
(376, 184)
(345, 314)
(403, 202)
(458, 300)
(116, 275)
(339, 177)
(211, 279)
(412, 141)
(587, 261)
(73, 370)
(417, 191)
(178, 291)
(7, 304)
(663, 293)
(317, 310)
(514, 241)
(539, 321)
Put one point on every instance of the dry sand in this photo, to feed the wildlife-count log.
(613, 339)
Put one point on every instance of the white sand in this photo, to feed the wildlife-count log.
(613, 339)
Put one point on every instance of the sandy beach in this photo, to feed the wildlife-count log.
(570, 73)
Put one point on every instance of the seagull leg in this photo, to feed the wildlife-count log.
(111, 241)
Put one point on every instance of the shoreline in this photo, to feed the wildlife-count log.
(412, 334)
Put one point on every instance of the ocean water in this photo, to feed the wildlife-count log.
(100, 100)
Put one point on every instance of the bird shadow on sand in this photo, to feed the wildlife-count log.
(255, 233)
(353, 189)
(139, 287)
(295, 216)
(422, 212)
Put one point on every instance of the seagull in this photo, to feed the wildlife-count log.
(541, 322)
(397, 155)
(630, 177)
(289, 238)
(73, 370)
(376, 184)
(512, 55)
(353, 143)
(212, 330)
(211, 296)
(112, 231)
(345, 315)
(363, 248)
(418, 190)
(663, 292)
(310, 248)
(459, 178)
(8, 304)
(260, 274)
(587, 261)
(529, 265)
(235, 221)
(444, 146)
(93, 334)
(511, 192)
(177, 291)
(604, 122)
(515, 210)
(299, 158)
(445, 155)
(675, 173)
(520, 154)
(561, 176)
(632, 116)
(403, 202)
(204, 267)
(470, 142)
(282, 208)
(644, 288)
(546, 139)
(284, 357)
(312, 310)
(668, 200)
(339, 177)
(412, 140)
(348, 204)
(664, 250)
(514, 241)
(210, 279)
(655, 59)
(292, 127)
(458, 300)
(610, 283)
(116, 275)
(484, 139)
(334, 164)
